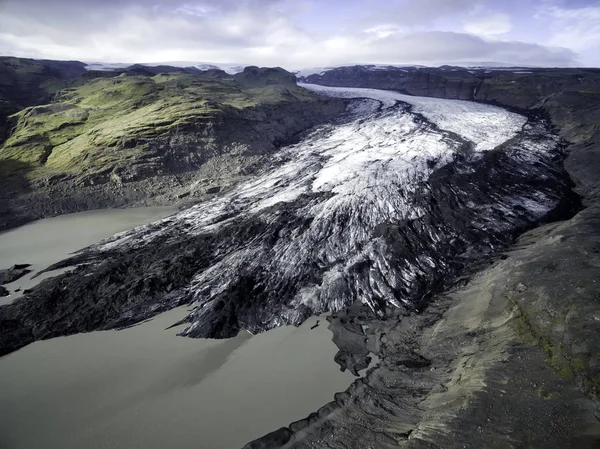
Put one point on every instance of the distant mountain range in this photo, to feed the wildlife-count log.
(233, 68)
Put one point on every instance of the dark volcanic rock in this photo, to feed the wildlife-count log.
(4, 291)
(520, 88)
(562, 298)
(456, 375)
(462, 369)
(423, 81)
(255, 76)
(14, 273)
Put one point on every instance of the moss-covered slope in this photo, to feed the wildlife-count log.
(115, 130)
(27, 82)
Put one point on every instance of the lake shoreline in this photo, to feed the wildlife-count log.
(124, 388)
(44, 242)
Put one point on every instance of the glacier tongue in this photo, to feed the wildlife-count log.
(384, 206)
(485, 126)
(378, 143)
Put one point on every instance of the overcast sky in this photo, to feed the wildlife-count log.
(305, 33)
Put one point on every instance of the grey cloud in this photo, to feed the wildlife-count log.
(415, 13)
(70, 22)
(438, 46)
(246, 32)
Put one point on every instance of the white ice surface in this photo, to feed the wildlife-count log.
(484, 125)
(358, 162)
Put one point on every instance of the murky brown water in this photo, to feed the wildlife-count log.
(47, 241)
(144, 387)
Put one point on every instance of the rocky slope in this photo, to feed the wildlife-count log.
(570, 98)
(519, 88)
(144, 135)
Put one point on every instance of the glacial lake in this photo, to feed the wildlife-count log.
(145, 387)
(44, 242)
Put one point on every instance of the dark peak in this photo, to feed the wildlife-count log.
(362, 70)
(356, 68)
(43, 67)
(139, 69)
(215, 73)
(450, 67)
(264, 76)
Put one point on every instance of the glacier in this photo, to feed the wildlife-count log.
(484, 125)
(386, 205)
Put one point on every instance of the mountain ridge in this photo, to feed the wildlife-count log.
(144, 136)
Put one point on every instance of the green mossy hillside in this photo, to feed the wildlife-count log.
(29, 82)
(94, 124)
